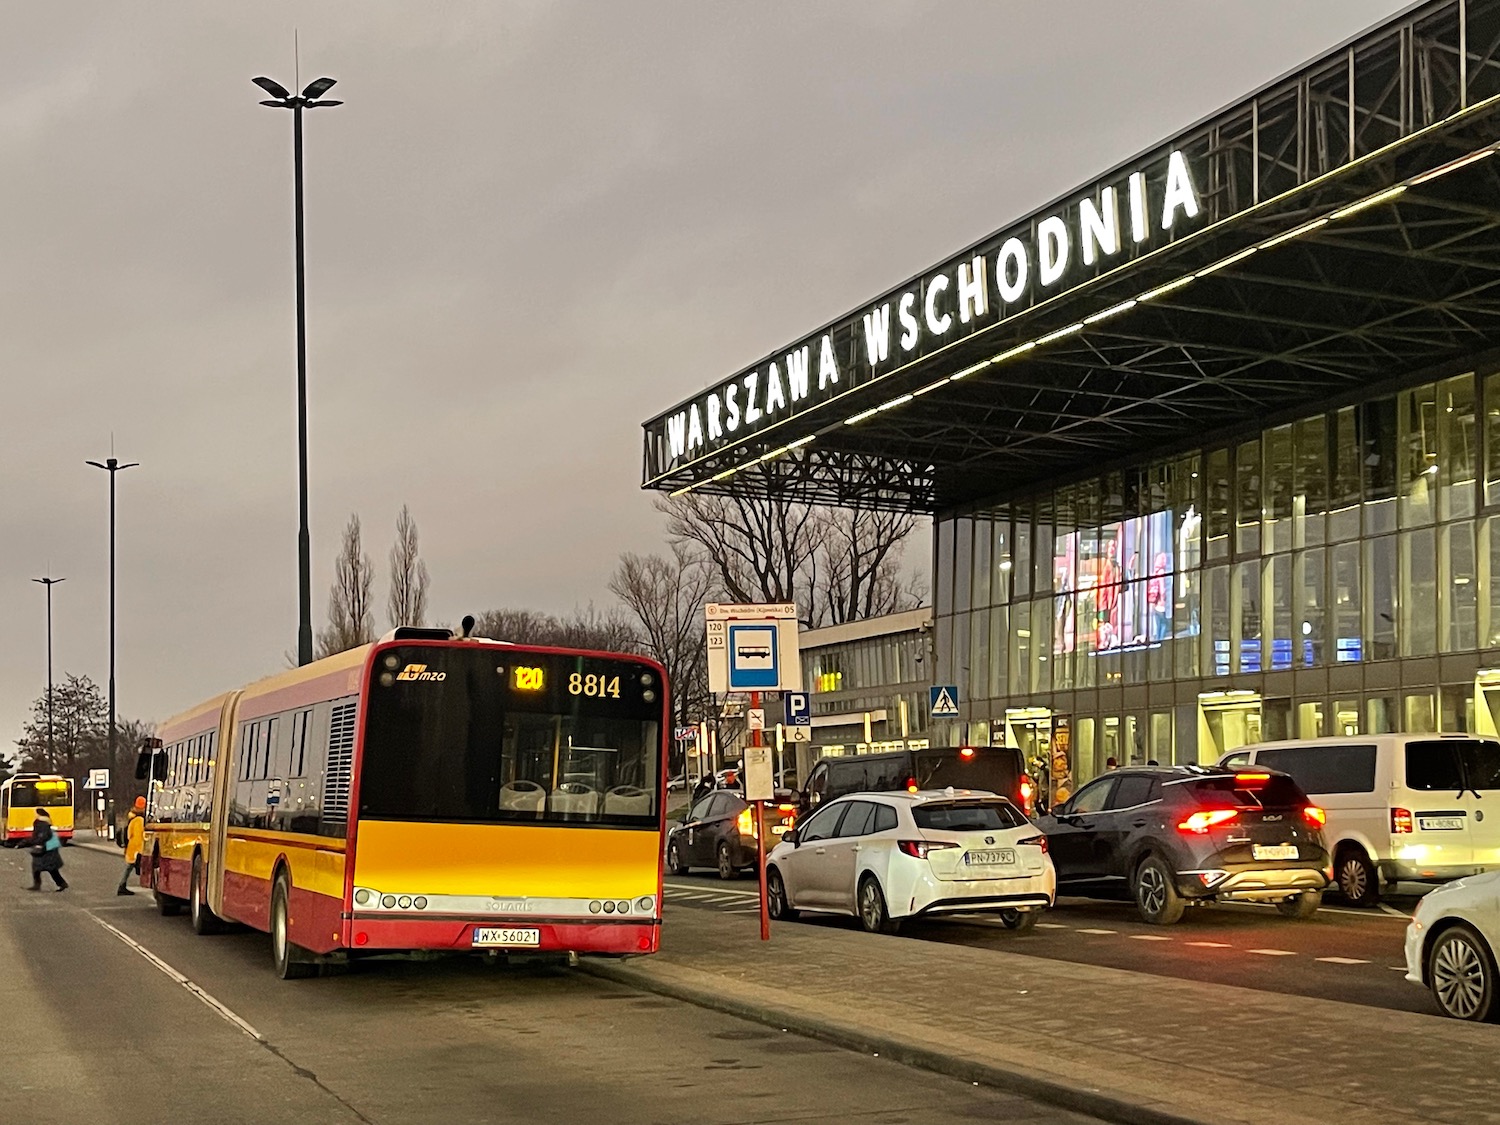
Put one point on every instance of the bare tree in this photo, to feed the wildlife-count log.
(350, 618)
(859, 573)
(407, 602)
(588, 628)
(666, 597)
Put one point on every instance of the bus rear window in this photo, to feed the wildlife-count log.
(41, 794)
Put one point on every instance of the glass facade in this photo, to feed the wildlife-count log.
(1335, 574)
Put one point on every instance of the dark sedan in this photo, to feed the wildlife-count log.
(1179, 836)
(719, 832)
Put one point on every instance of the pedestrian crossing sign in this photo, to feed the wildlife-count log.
(944, 701)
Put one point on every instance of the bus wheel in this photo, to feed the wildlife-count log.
(291, 961)
(205, 921)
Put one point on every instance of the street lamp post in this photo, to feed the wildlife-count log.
(49, 582)
(310, 98)
(112, 465)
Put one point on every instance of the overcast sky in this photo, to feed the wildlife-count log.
(532, 226)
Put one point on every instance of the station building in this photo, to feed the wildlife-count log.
(1211, 444)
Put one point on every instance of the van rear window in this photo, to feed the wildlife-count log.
(968, 816)
(1453, 764)
(1324, 769)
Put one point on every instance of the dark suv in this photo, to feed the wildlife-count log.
(1179, 836)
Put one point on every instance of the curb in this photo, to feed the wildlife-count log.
(1098, 1103)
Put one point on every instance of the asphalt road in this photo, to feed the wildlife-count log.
(115, 1014)
(1340, 953)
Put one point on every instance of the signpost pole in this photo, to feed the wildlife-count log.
(760, 837)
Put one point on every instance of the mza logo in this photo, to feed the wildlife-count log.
(420, 672)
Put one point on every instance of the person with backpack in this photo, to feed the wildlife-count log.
(135, 831)
(46, 852)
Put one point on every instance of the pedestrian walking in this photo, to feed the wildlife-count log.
(46, 852)
(135, 835)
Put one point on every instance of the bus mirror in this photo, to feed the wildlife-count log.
(152, 761)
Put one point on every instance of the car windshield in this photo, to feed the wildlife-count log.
(968, 816)
(1249, 790)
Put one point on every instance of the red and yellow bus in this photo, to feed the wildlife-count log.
(22, 794)
(420, 793)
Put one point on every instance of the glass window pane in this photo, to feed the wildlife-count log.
(1380, 598)
(1457, 589)
(1346, 602)
(1020, 648)
(1346, 717)
(982, 544)
(1492, 438)
(1419, 460)
(1345, 490)
(1421, 715)
(999, 641)
(1310, 486)
(1487, 564)
(1063, 637)
(1377, 440)
(1216, 639)
(1020, 574)
(1042, 537)
(942, 578)
(1308, 625)
(1278, 489)
(1218, 504)
(1246, 620)
(1000, 557)
(1279, 635)
(963, 563)
(1247, 491)
(1418, 593)
(1458, 438)
(979, 649)
(960, 657)
(1380, 714)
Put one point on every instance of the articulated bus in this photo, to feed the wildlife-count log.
(24, 793)
(420, 793)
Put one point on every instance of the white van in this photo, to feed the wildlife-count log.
(1411, 807)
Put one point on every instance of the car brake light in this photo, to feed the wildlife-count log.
(1400, 821)
(1251, 780)
(1315, 816)
(918, 849)
(911, 785)
(966, 752)
(745, 822)
(1036, 842)
(786, 808)
(1025, 790)
(1204, 819)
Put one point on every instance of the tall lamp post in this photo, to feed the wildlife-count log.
(310, 98)
(49, 582)
(112, 465)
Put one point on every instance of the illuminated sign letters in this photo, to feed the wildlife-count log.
(984, 286)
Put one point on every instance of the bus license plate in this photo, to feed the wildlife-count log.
(1440, 823)
(489, 935)
(1274, 851)
(1005, 857)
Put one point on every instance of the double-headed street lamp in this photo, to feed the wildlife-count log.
(49, 582)
(112, 465)
(310, 98)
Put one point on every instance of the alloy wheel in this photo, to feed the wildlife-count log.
(1458, 977)
(1352, 879)
(1153, 889)
(869, 906)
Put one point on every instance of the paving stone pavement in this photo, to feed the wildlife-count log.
(1123, 1045)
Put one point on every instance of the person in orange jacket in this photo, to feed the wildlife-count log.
(135, 834)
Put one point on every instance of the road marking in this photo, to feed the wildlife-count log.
(1273, 952)
(1098, 931)
(1210, 944)
(1342, 961)
(1397, 968)
(753, 910)
(1050, 926)
(1392, 910)
(217, 1005)
(1149, 937)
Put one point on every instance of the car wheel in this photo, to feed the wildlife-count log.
(1021, 921)
(1155, 895)
(291, 961)
(873, 915)
(726, 861)
(204, 920)
(1461, 973)
(777, 903)
(1303, 905)
(1356, 877)
(674, 859)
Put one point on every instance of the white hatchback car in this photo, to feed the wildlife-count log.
(1451, 944)
(884, 857)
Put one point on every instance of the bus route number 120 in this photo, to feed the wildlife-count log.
(596, 687)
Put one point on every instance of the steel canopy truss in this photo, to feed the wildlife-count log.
(1400, 282)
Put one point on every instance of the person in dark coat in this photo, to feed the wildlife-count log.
(46, 852)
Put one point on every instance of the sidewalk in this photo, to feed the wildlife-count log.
(1123, 1046)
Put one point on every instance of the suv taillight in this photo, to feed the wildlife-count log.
(1036, 842)
(1314, 816)
(1400, 821)
(918, 849)
(1201, 821)
(745, 822)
